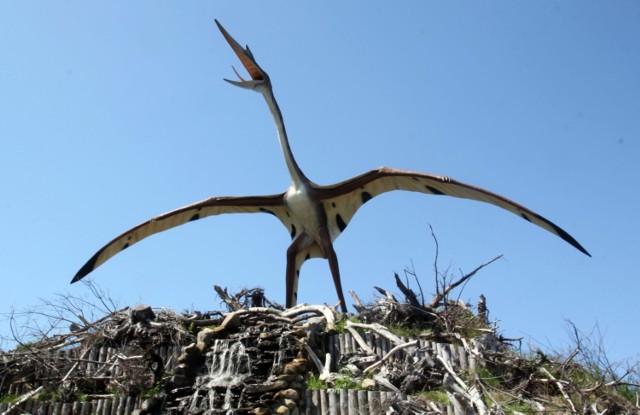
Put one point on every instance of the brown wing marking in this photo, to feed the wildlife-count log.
(347, 197)
(212, 206)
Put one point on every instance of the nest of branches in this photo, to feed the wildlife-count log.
(124, 352)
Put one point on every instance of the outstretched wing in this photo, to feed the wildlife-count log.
(273, 204)
(349, 195)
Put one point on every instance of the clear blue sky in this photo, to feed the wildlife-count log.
(115, 112)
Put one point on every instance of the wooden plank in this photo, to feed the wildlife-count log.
(352, 398)
(344, 402)
(374, 402)
(363, 402)
(334, 408)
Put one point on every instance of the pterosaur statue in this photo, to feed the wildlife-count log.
(314, 215)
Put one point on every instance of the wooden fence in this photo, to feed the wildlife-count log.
(107, 406)
(93, 362)
(456, 355)
(319, 402)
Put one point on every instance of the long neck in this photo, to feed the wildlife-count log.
(298, 178)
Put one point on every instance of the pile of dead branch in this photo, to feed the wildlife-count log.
(503, 379)
(116, 354)
(126, 352)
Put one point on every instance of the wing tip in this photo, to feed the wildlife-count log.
(86, 268)
(569, 239)
(581, 249)
(77, 277)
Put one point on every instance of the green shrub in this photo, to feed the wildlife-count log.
(315, 383)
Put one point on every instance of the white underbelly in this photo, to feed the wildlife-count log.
(304, 210)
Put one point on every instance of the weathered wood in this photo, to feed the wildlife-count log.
(99, 407)
(374, 402)
(457, 387)
(352, 397)
(344, 402)
(93, 357)
(462, 358)
(324, 402)
(334, 402)
(363, 402)
(408, 293)
(358, 305)
(341, 345)
(391, 353)
(312, 400)
(86, 408)
(359, 341)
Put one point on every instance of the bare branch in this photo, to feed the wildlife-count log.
(441, 295)
(412, 343)
(435, 261)
(408, 293)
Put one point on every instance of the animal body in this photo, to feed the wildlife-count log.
(314, 215)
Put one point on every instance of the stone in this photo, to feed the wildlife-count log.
(268, 345)
(297, 365)
(287, 394)
(291, 404)
(283, 410)
(287, 378)
(368, 384)
(191, 350)
(301, 333)
(231, 321)
(206, 338)
(265, 387)
(297, 385)
(261, 411)
(191, 357)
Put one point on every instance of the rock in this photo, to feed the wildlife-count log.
(301, 333)
(261, 411)
(291, 404)
(206, 338)
(283, 410)
(268, 345)
(297, 385)
(231, 321)
(188, 352)
(287, 378)
(368, 384)
(265, 387)
(191, 357)
(287, 394)
(298, 365)
(180, 380)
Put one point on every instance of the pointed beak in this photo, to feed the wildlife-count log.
(258, 76)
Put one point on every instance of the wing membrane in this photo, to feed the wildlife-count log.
(351, 194)
(212, 206)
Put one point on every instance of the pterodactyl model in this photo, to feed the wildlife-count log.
(314, 215)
